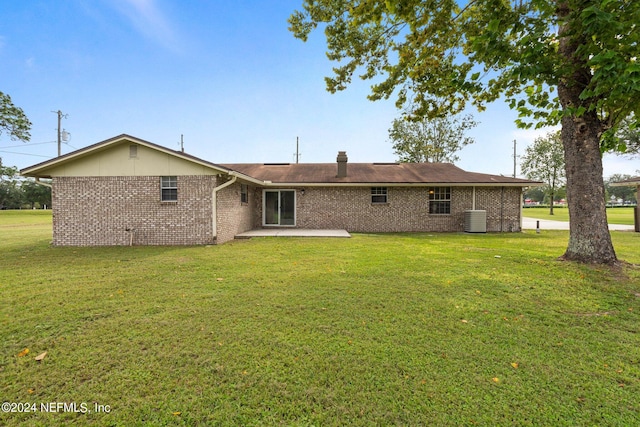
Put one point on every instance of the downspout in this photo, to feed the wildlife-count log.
(473, 201)
(214, 210)
(521, 206)
(502, 210)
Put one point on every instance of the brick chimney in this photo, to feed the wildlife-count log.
(342, 164)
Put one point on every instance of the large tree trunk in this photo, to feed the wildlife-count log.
(589, 238)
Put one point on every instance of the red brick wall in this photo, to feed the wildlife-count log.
(234, 217)
(503, 206)
(406, 209)
(97, 211)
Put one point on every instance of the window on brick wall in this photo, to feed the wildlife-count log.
(378, 194)
(244, 193)
(169, 188)
(440, 200)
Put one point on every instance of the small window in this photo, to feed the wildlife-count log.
(244, 193)
(169, 188)
(378, 194)
(440, 200)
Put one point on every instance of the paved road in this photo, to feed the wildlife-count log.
(546, 224)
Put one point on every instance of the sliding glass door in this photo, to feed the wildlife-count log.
(279, 207)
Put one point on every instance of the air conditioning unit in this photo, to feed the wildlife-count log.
(475, 221)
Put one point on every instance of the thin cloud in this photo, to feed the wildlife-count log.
(148, 19)
(525, 137)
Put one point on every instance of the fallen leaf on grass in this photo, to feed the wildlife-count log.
(40, 356)
(23, 353)
(31, 391)
(464, 321)
(219, 279)
(176, 413)
(495, 379)
(515, 365)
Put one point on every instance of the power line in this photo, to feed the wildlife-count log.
(24, 154)
(66, 143)
(29, 145)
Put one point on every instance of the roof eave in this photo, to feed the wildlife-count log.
(32, 171)
(625, 184)
(402, 184)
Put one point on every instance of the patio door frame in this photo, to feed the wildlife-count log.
(283, 205)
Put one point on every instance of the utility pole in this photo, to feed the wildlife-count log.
(514, 158)
(60, 117)
(297, 150)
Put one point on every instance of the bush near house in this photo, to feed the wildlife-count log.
(390, 329)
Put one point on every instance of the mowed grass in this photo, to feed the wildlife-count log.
(614, 215)
(409, 329)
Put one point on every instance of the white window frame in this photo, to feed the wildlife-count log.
(244, 193)
(168, 183)
(438, 197)
(379, 192)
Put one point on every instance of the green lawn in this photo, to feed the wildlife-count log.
(614, 215)
(411, 329)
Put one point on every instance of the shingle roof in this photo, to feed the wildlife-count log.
(310, 173)
(372, 173)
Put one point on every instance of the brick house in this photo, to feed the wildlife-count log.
(125, 191)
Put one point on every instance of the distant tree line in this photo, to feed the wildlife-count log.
(613, 194)
(20, 193)
(544, 161)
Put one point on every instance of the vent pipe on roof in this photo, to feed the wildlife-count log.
(342, 164)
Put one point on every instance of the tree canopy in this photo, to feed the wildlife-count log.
(573, 62)
(626, 193)
(15, 191)
(431, 140)
(544, 160)
(629, 137)
(13, 120)
(438, 55)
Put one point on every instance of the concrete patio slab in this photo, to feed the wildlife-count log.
(292, 232)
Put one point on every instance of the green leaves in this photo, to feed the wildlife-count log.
(423, 50)
(435, 140)
(13, 120)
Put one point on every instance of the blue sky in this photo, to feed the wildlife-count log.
(229, 76)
